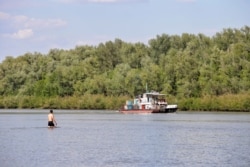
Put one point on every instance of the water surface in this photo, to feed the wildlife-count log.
(111, 139)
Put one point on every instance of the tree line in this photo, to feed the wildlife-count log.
(189, 68)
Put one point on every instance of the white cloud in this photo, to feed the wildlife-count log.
(94, 40)
(24, 25)
(187, 1)
(22, 21)
(210, 32)
(98, 1)
(21, 34)
(19, 18)
(4, 16)
(39, 23)
(103, 1)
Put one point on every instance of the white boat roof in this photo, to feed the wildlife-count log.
(154, 94)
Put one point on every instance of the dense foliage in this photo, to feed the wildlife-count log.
(183, 66)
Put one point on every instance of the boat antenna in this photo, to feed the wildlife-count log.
(147, 87)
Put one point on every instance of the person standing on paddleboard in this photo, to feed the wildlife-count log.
(51, 119)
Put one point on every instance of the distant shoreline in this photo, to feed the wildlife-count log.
(225, 103)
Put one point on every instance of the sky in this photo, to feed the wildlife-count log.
(28, 26)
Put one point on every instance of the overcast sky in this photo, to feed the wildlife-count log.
(41, 25)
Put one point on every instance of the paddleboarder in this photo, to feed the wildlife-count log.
(51, 119)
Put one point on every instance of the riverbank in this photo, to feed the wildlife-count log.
(227, 102)
(230, 102)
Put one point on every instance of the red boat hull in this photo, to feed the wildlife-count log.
(147, 111)
(136, 111)
(139, 111)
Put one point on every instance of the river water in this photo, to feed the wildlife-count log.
(111, 139)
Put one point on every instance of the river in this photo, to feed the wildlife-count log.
(110, 139)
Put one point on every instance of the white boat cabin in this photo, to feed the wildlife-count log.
(152, 100)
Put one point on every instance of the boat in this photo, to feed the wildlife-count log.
(151, 102)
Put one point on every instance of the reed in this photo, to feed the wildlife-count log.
(227, 102)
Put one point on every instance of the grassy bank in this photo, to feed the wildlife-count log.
(240, 102)
(70, 102)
